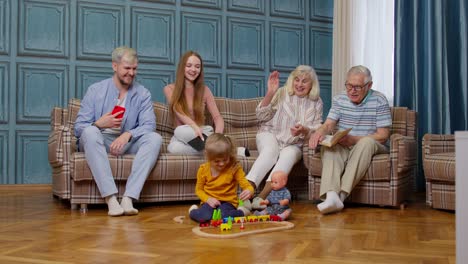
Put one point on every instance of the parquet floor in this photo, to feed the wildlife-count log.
(37, 228)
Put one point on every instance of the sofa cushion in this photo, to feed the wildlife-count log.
(168, 166)
(163, 118)
(240, 120)
(245, 139)
(238, 113)
(440, 167)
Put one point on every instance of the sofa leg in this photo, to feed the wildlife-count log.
(83, 208)
(74, 206)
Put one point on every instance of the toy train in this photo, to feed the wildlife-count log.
(226, 223)
(256, 218)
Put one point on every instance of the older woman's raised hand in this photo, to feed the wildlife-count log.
(273, 83)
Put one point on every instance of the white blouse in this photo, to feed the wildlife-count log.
(288, 112)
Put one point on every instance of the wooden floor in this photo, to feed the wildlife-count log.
(37, 228)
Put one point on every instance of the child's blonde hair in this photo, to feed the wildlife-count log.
(218, 145)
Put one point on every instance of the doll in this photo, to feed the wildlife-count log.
(277, 201)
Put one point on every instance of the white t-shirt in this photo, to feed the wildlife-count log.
(116, 130)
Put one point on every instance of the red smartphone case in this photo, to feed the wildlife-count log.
(118, 108)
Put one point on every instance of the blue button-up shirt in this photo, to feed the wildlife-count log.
(101, 98)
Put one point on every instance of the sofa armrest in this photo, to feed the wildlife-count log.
(433, 144)
(60, 145)
(403, 155)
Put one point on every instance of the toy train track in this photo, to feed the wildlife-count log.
(231, 227)
(236, 231)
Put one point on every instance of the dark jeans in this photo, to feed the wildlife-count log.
(205, 212)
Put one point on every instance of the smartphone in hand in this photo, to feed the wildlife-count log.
(197, 143)
(117, 109)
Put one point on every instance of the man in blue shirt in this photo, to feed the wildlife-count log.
(99, 131)
(367, 112)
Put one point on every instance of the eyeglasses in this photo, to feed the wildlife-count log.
(358, 88)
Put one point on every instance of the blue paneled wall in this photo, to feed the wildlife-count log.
(52, 50)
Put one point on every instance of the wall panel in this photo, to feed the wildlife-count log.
(287, 46)
(246, 43)
(321, 10)
(321, 49)
(53, 50)
(153, 35)
(44, 28)
(247, 6)
(32, 168)
(100, 30)
(85, 76)
(39, 87)
(202, 33)
(214, 82)
(4, 156)
(4, 93)
(4, 26)
(216, 4)
(245, 86)
(325, 93)
(155, 81)
(292, 8)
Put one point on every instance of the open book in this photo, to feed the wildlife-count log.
(332, 140)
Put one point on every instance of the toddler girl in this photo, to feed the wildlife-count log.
(218, 179)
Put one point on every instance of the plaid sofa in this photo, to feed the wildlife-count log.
(439, 169)
(173, 177)
(390, 177)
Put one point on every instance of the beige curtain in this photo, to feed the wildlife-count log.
(341, 51)
(363, 34)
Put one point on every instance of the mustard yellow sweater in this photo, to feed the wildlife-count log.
(222, 187)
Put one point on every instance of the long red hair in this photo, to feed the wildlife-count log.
(178, 101)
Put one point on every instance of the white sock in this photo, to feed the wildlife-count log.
(114, 207)
(193, 207)
(284, 215)
(331, 204)
(241, 151)
(127, 205)
(343, 196)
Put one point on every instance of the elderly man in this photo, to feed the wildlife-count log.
(367, 112)
(100, 130)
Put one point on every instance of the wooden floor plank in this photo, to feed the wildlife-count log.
(37, 228)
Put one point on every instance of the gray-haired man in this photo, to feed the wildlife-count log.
(367, 112)
(100, 131)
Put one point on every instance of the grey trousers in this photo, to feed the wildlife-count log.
(96, 146)
(343, 167)
(182, 135)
